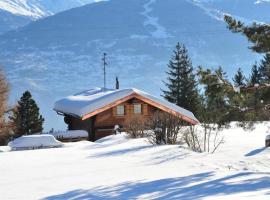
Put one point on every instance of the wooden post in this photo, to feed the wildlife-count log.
(91, 132)
(267, 141)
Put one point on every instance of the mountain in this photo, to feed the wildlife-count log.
(17, 13)
(246, 10)
(61, 54)
(9, 21)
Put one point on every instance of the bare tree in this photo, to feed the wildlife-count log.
(5, 125)
(206, 140)
(192, 139)
(135, 126)
(165, 128)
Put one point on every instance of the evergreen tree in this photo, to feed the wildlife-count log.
(265, 76)
(256, 95)
(257, 33)
(181, 82)
(265, 68)
(26, 116)
(239, 78)
(215, 96)
(255, 77)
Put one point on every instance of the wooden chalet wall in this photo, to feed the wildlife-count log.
(105, 121)
(75, 123)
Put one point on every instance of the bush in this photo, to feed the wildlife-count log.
(165, 128)
(192, 139)
(135, 126)
(207, 139)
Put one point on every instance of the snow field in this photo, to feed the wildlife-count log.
(116, 167)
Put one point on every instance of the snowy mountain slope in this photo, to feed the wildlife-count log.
(40, 8)
(17, 13)
(119, 168)
(53, 55)
(10, 21)
(246, 10)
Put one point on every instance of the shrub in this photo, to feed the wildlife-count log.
(207, 139)
(135, 126)
(165, 128)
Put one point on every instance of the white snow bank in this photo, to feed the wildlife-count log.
(135, 169)
(114, 139)
(70, 134)
(34, 142)
(4, 149)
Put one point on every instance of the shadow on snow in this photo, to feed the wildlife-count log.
(255, 152)
(189, 187)
(121, 151)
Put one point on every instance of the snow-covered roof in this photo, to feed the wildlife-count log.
(89, 101)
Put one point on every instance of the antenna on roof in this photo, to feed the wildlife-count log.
(104, 68)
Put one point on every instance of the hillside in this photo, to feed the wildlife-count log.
(61, 54)
(9, 21)
(246, 10)
(18, 13)
(119, 168)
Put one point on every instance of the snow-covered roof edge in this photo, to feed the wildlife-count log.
(91, 102)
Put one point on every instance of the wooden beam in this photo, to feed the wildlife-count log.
(166, 109)
(116, 103)
(146, 100)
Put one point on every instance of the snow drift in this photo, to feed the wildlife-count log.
(70, 134)
(116, 167)
(34, 142)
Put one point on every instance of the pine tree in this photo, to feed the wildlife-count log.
(256, 95)
(181, 82)
(265, 76)
(265, 68)
(257, 33)
(255, 77)
(26, 116)
(239, 78)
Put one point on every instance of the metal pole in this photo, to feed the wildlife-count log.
(104, 68)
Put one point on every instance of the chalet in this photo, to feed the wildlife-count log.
(98, 110)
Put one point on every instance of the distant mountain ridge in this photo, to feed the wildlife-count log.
(61, 54)
(17, 13)
(40, 8)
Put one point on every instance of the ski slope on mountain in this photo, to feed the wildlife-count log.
(119, 168)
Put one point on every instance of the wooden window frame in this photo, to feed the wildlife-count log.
(134, 109)
(120, 115)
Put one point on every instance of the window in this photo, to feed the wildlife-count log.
(137, 108)
(120, 110)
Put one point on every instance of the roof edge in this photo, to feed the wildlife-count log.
(134, 94)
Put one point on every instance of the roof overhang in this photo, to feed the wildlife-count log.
(146, 100)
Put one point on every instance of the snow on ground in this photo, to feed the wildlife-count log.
(34, 142)
(70, 134)
(119, 168)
